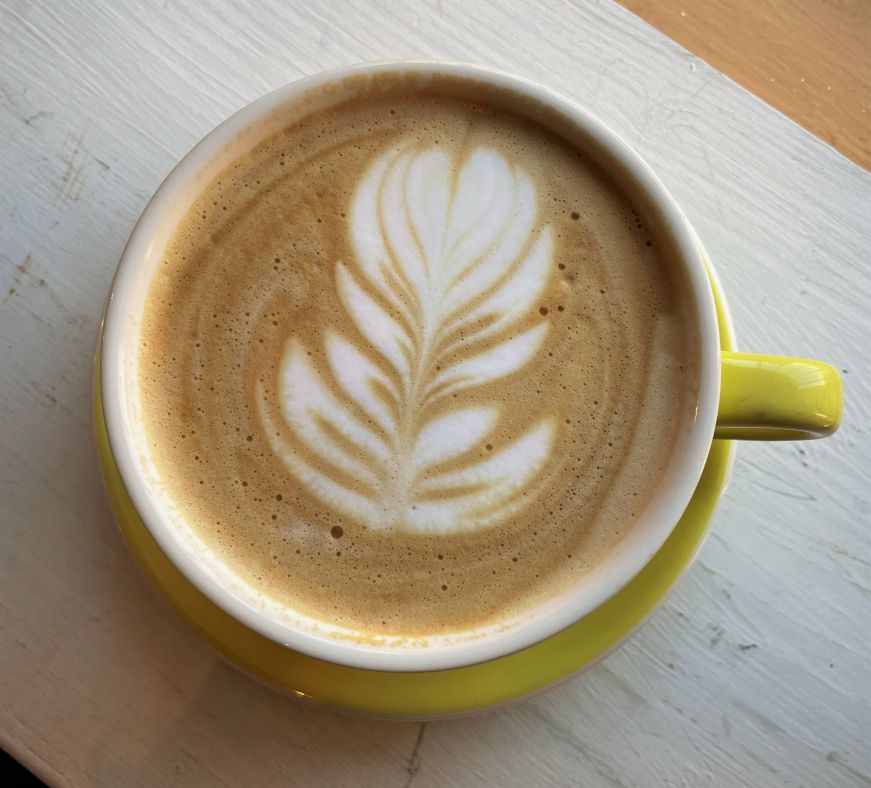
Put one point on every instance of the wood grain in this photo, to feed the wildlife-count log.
(756, 671)
(811, 59)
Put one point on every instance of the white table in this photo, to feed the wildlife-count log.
(756, 672)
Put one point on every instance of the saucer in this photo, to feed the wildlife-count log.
(440, 693)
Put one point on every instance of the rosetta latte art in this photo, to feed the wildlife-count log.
(450, 261)
(412, 365)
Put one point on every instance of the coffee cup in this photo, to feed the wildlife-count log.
(726, 395)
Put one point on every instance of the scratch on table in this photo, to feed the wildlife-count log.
(12, 100)
(847, 554)
(21, 270)
(853, 582)
(607, 68)
(800, 496)
(70, 187)
(801, 456)
(24, 266)
(718, 635)
(620, 682)
(718, 203)
(705, 568)
(694, 96)
(413, 765)
(783, 493)
(5, 96)
(45, 398)
(835, 757)
(764, 722)
(22, 275)
(29, 120)
(648, 113)
(674, 707)
(558, 731)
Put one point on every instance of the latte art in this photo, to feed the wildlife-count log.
(412, 365)
(449, 264)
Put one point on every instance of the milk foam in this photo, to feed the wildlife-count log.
(454, 250)
(413, 365)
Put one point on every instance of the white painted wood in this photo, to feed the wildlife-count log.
(757, 672)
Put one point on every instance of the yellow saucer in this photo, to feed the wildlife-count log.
(442, 693)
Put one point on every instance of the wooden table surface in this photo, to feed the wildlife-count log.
(811, 59)
(756, 672)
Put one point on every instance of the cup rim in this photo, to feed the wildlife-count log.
(657, 524)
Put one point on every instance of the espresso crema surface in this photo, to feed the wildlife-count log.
(412, 365)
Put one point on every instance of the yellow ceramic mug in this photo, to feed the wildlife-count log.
(777, 398)
(739, 395)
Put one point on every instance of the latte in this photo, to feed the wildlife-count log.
(413, 364)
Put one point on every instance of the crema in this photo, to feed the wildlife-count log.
(413, 364)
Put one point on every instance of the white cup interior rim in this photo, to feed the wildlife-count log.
(604, 581)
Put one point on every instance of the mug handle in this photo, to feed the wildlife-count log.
(776, 398)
